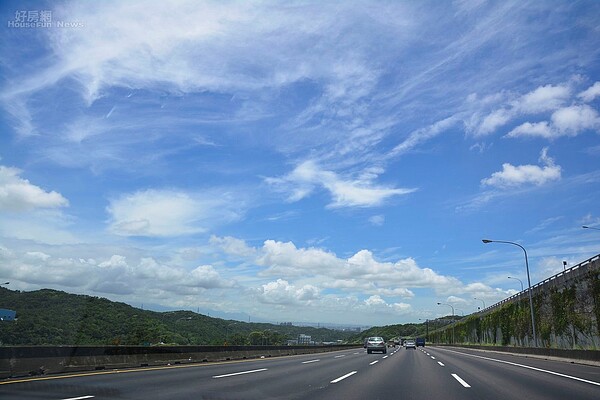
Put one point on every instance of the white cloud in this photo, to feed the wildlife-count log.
(541, 129)
(113, 275)
(575, 119)
(287, 260)
(494, 120)
(454, 300)
(281, 292)
(590, 93)
(361, 272)
(377, 220)
(18, 194)
(544, 98)
(358, 192)
(567, 121)
(375, 301)
(378, 304)
(232, 246)
(515, 176)
(170, 213)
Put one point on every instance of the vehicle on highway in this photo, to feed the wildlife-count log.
(376, 343)
(391, 343)
(410, 344)
(420, 342)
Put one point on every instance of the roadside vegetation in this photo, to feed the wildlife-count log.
(50, 317)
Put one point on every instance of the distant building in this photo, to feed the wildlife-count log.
(304, 339)
(7, 315)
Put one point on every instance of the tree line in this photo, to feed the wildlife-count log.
(51, 317)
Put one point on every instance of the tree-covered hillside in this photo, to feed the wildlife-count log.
(50, 317)
(410, 330)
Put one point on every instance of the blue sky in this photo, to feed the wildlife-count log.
(333, 162)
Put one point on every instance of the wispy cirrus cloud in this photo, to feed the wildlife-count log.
(359, 191)
(162, 213)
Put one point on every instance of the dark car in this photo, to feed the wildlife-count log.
(420, 342)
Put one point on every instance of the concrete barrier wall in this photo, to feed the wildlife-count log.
(566, 311)
(39, 360)
(581, 355)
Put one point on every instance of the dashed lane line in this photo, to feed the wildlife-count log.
(240, 373)
(441, 364)
(311, 361)
(461, 381)
(80, 398)
(528, 367)
(374, 362)
(341, 378)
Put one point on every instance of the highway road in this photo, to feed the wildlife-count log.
(426, 373)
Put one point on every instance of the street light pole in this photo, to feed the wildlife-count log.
(486, 241)
(480, 301)
(450, 305)
(512, 277)
(426, 328)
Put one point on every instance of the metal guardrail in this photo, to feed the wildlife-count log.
(575, 270)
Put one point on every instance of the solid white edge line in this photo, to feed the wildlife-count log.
(239, 373)
(528, 367)
(341, 378)
(311, 361)
(374, 362)
(461, 381)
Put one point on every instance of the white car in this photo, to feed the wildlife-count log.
(376, 343)
(410, 344)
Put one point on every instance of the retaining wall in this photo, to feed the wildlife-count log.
(566, 310)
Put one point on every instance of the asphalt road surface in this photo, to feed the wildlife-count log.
(426, 373)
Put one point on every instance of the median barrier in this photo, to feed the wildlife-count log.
(40, 360)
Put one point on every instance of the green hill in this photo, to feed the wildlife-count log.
(410, 330)
(50, 317)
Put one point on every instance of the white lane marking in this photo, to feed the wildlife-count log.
(374, 362)
(462, 382)
(441, 363)
(355, 353)
(528, 367)
(341, 378)
(311, 361)
(239, 373)
(80, 398)
(340, 356)
(384, 357)
(432, 357)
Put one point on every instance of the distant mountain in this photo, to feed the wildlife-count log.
(51, 317)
